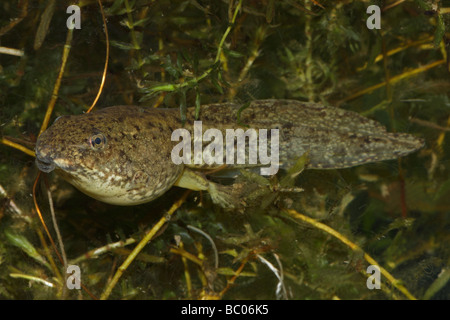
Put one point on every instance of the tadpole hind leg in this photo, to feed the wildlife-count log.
(225, 196)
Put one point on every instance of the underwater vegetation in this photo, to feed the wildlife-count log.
(306, 234)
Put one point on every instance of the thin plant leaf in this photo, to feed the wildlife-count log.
(22, 243)
(123, 45)
(197, 104)
(230, 272)
(289, 179)
(442, 279)
(270, 11)
(46, 19)
(440, 31)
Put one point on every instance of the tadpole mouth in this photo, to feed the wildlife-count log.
(45, 165)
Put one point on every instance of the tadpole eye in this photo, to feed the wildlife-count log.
(97, 141)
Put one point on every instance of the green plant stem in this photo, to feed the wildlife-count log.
(194, 81)
(141, 246)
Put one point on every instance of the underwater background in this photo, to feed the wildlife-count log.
(165, 53)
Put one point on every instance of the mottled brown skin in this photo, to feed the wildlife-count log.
(131, 163)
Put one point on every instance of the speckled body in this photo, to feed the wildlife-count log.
(132, 164)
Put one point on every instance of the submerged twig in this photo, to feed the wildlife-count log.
(395, 79)
(11, 51)
(17, 146)
(10, 202)
(55, 224)
(105, 69)
(98, 251)
(32, 278)
(23, 5)
(428, 124)
(58, 235)
(42, 218)
(51, 104)
(394, 282)
(141, 245)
